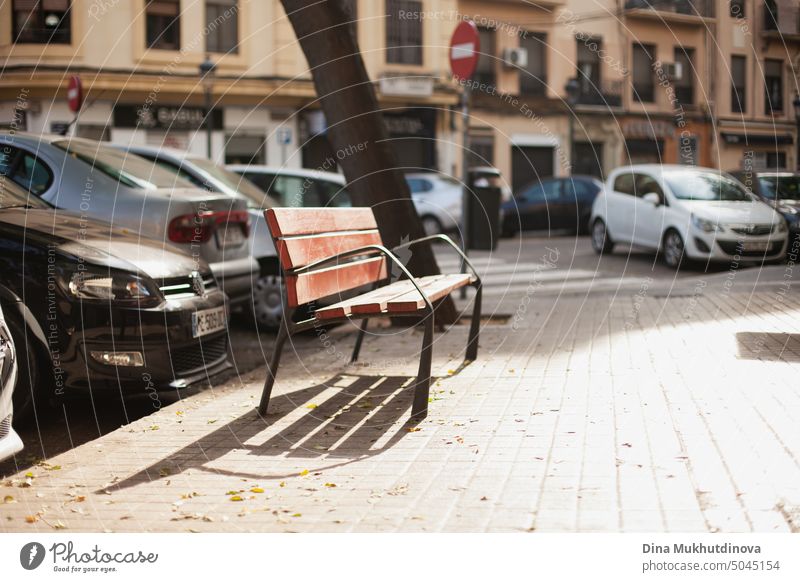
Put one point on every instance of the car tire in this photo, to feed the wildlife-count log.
(431, 225)
(673, 249)
(28, 394)
(267, 311)
(601, 241)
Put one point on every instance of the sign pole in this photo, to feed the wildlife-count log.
(466, 97)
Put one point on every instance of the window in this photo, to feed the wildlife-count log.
(738, 84)
(770, 15)
(25, 169)
(404, 32)
(737, 8)
(684, 87)
(776, 160)
(533, 80)
(418, 185)
(545, 191)
(334, 194)
(163, 24)
(294, 191)
(487, 63)
(589, 66)
(588, 159)
(222, 25)
(245, 149)
(42, 21)
(773, 86)
(646, 184)
(643, 85)
(693, 185)
(624, 184)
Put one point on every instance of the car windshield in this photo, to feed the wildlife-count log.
(780, 187)
(694, 185)
(129, 169)
(234, 181)
(13, 196)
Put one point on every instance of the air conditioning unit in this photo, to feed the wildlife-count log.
(673, 71)
(515, 57)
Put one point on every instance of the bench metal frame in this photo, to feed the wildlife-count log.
(288, 327)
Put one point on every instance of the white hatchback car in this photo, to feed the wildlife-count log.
(697, 213)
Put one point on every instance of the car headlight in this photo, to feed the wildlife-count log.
(706, 225)
(93, 283)
(782, 226)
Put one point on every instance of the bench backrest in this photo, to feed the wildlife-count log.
(305, 235)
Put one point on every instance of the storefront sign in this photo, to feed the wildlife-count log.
(756, 139)
(164, 117)
(407, 86)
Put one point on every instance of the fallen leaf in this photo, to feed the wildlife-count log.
(236, 498)
(297, 515)
(8, 499)
(414, 429)
(256, 490)
(311, 406)
(330, 484)
(31, 518)
(212, 421)
(163, 472)
(304, 472)
(59, 525)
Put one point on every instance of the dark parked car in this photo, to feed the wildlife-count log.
(10, 443)
(552, 204)
(781, 190)
(95, 308)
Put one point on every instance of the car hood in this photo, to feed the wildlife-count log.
(97, 242)
(733, 212)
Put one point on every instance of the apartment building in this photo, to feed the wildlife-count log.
(139, 62)
(702, 82)
(708, 82)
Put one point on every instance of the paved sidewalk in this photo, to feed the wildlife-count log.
(634, 413)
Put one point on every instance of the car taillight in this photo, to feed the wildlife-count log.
(198, 228)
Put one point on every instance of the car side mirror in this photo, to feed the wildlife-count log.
(652, 198)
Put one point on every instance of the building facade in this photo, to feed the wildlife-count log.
(706, 82)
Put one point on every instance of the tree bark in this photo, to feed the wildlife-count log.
(355, 128)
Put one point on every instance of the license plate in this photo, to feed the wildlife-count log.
(230, 235)
(755, 246)
(208, 321)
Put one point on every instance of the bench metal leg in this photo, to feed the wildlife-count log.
(419, 408)
(272, 367)
(359, 339)
(475, 326)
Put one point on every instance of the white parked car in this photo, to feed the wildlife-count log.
(697, 213)
(10, 443)
(438, 200)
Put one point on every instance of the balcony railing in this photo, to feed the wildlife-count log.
(703, 8)
(606, 94)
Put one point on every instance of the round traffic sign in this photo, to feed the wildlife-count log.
(465, 47)
(74, 93)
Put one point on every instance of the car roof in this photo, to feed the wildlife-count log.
(34, 139)
(163, 151)
(294, 172)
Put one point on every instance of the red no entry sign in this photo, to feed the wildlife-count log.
(465, 46)
(74, 93)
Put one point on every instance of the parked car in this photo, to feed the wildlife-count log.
(95, 308)
(297, 187)
(683, 211)
(266, 307)
(100, 181)
(439, 200)
(552, 204)
(781, 190)
(10, 443)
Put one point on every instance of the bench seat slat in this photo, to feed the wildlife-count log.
(399, 297)
(294, 221)
(298, 251)
(306, 287)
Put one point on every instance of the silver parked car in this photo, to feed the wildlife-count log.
(266, 309)
(10, 442)
(100, 181)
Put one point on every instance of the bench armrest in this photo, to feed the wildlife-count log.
(368, 250)
(446, 239)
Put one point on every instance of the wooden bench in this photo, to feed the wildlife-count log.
(325, 252)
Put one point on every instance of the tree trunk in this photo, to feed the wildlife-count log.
(355, 128)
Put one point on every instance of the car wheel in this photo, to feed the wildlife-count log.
(431, 225)
(601, 242)
(267, 302)
(27, 396)
(673, 249)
